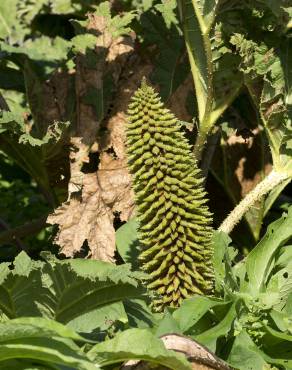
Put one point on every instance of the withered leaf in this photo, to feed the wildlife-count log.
(95, 199)
(85, 217)
(81, 219)
(89, 213)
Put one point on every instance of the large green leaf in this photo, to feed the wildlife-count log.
(25, 364)
(139, 313)
(54, 351)
(210, 336)
(46, 53)
(33, 327)
(193, 309)
(259, 260)
(276, 347)
(85, 294)
(167, 324)
(277, 335)
(47, 342)
(137, 344)
(245, 355)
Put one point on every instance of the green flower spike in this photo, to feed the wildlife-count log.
(175, 232)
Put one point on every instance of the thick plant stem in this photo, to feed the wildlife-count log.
(200, 144)
(273, 179)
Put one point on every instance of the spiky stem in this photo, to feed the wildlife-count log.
(273, 179)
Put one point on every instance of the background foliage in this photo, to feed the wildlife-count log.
(67, 71)
(49, 59)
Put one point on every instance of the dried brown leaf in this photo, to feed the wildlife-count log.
(89, 213)
(115, 184)
(85, 218)
(111, 56)
(95, 199)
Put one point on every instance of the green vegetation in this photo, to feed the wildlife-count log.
(134, 137)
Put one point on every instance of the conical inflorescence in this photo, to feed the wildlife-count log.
(175, 232)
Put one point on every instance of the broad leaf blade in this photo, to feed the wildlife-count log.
(53, 351)
(209, 337)
(47, 342)
(193, 309)
(85, 294)
(260, 258)
(245, 354)
(24, 327)
(137, 344)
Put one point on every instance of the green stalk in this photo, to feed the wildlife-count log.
(200, 55)
(198, 44)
